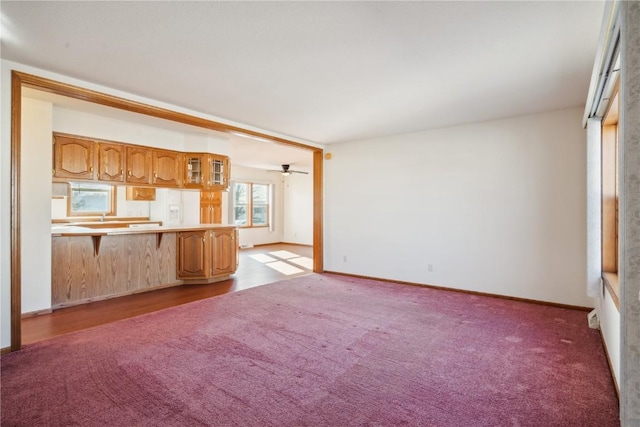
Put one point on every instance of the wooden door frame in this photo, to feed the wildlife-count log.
(20, 80)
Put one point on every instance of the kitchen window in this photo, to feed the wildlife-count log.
(251, 204)
(91, 199)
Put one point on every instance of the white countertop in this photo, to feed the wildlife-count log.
(75, 230)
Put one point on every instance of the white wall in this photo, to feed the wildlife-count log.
(5, 205)
(36, 205)
(496, 207)
(260, 235)
(96, 126)
(609, 317)
(298, 209)
(186, 201)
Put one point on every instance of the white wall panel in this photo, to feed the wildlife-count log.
(495, 207)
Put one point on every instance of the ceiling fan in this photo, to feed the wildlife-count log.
(286, 171)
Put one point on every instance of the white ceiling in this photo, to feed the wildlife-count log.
(324, 72)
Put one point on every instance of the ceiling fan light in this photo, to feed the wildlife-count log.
(286, 173)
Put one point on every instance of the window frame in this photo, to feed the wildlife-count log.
(112, 189)
(249, 206)
(609, 203)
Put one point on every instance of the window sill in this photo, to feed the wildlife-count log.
(612, 283)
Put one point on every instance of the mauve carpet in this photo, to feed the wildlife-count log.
(320, 350)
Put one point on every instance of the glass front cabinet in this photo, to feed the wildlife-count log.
(206, 171)
(194, 170)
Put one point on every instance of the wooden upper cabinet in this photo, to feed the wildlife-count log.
(167, 168)
(138, 165)
(218, 172)
(195, 170)
(73, 157)
(210, 207)
(141, 193)
(206, 171)
(111, 158)
(81, 158)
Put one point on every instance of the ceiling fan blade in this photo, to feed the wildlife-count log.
(286, 170)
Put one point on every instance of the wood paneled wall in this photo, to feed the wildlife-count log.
(126, 264)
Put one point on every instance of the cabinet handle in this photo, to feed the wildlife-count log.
(129, 172)
(91, 169)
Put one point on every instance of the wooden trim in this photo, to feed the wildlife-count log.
(612, 113)
(278, 243)
(613, 375)
(613, 284)
(89, 95)
(5, 350)
(609, 184)
(292, 244)
(20, 79)
(16, 269)
(36, 313)
(318, 234)
(465, 291)
(132, 292)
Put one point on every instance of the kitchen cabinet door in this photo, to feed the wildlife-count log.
(218, 173)
(111, 158)
(195, 170)
(224, 248)
(167, 168)
(210, 207)
(73, 157)
(138, 165)
(193, 254)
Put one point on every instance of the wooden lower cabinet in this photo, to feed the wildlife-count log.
(208, 255)
(224, 251)
(193, 254)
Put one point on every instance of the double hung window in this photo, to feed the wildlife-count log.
(251, 204)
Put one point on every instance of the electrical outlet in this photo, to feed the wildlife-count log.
(344, 258)
(430, 267)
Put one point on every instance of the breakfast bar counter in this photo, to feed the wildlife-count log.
(90, 264)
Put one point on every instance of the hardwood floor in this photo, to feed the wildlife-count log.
(251, 272)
